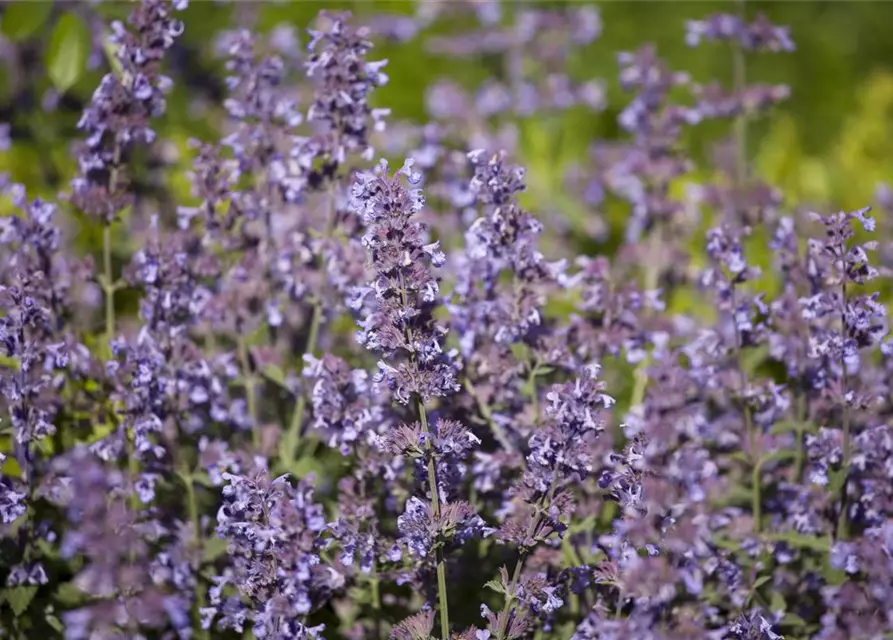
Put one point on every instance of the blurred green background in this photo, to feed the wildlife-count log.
(827, 146)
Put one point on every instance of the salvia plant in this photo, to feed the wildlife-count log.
(353, 401)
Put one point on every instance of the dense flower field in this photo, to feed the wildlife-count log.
(360, 400)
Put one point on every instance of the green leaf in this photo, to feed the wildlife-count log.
(496, 586)
(759, 582)
(306, 465)
(784, 426)
(835, 481)
(66, 56)
(751, 358)
(793, 620)
(111, 57)
(202, 478)
(276, 375)
(801, 541)
(20, 597)
(521, 351)
(69, 596)
(777, 455)
(544, 370)
(777, 603)
(213, 549)
(55, 623)
(23, 19)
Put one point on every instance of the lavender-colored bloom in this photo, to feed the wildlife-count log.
(122, 106)
(534, 49)
(12, 499)
(559, 455)
(272, 530)
(114, 544)
(400, 320)
(416, 627)
(744, 490)
(759, 35)
(344, 408)
(457, 523)
(345, 80)
(505, 238)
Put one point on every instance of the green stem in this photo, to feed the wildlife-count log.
(534, 396)
(133, 470)
(513, 586)
(376, 600)
(800, 455)
(108, 285)
(293, 435)
(842, 520)
(519, 564)
(756, 499)
(484, 408)
(640, 378)
(435, 508)
(195, 519)
(573, 559)
(739, 64)
(250, 382)
(651, 280)
(756, 485)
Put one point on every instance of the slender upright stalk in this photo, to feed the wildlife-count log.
(739, 78)
(197, 541)
(756, 498)
(756, 488)
(293, 436)
(109, 286)
(376, 599)
(195, 519)
(250, 382)
(133, 471)
(535, 523)
(435, 508)
(498, 432)
(534, 396)
(842, 520)
(800, 416)
(651, 280)
(620, 598)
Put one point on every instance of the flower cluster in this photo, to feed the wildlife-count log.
(316, 398)
(406, 291)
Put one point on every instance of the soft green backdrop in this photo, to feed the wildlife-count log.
(828, 145)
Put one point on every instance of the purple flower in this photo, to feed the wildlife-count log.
(399, 322)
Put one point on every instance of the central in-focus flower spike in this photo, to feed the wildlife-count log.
(400, 324)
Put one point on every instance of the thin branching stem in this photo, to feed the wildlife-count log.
(535, 523)
(435, 509)
(842, 519)
(249, 380)
(296, 425)
(498, 432)
(739, 63)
